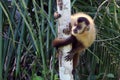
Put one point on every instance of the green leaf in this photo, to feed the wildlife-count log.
(35, 77)
(110, 75)
(56, 77)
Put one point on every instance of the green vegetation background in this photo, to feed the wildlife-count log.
(27, 28)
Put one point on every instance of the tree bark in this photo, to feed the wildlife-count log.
(65, 67)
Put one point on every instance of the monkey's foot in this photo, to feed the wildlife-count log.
(57, 15)
(66, 31)
(69, 57)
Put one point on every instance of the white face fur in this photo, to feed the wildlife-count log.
(79, 28)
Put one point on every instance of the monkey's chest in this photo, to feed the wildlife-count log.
(85, 41)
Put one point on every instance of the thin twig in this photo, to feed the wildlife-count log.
(110, 39)
(100, 8)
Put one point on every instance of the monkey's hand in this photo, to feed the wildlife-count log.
(74, 51)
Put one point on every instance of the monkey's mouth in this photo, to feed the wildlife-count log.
(87, 28)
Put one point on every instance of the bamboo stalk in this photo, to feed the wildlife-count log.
(65, 67)
(1, 67)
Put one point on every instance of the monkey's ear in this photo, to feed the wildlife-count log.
(83, 19)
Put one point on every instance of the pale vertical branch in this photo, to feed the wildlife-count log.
(65, 67)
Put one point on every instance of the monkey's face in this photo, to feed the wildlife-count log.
(81, 26)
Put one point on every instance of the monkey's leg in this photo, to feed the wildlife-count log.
(75, 62)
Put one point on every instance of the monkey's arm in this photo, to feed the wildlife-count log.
(62, 42)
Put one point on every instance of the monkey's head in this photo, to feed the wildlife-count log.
(81, 26)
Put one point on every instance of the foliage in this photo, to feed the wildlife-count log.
(27, 28)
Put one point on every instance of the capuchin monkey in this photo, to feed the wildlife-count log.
(83, 34)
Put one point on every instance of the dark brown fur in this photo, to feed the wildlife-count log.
(77, 48)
